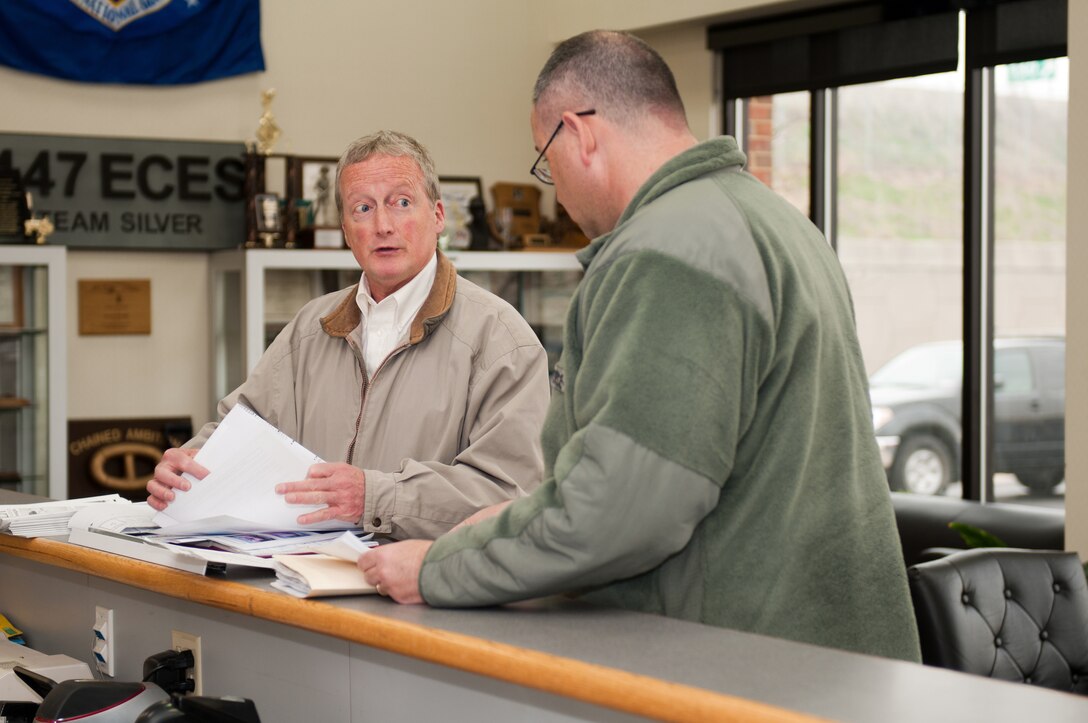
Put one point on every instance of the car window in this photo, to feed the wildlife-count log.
(1012, 368)
(1050, 367)
(923, 367)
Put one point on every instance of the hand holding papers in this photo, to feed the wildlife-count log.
(246, 458)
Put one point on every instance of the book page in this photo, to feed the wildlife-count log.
(124, 518)
(346, 547)
(246, 457)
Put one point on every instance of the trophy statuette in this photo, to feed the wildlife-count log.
(41, 227)
(268, 131)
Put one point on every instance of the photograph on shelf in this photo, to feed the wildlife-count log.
(318, 186)
(268, 220)
(312, 221)
(11, 297)
(457, 193)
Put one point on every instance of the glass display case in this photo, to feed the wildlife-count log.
(32, 370)
(255, 292)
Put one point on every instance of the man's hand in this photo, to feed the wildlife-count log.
(340, 486)
(168, 477)
(394, 569)
(481, 515)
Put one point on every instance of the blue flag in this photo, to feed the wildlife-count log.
(155, 42)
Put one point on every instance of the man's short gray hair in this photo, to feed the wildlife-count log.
(616, 73)
(396, 145)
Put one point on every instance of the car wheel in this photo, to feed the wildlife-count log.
(1041, 481)
(923, 465)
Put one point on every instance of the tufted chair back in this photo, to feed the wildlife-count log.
(1019, 615)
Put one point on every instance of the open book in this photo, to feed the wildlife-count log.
(331, 572)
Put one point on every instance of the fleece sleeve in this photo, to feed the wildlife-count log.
(668, 359)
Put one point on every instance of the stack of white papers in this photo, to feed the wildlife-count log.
(46, 519)
(246, 457)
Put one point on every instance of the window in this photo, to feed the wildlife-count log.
(936, 166)
(777, 144)
(1030, 132)
(1012, 373)
(900, 211)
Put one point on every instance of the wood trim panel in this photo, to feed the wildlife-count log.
(587, 682)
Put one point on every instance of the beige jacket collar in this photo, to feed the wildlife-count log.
(346, 317)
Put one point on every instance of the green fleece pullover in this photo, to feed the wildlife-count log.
(709, 447)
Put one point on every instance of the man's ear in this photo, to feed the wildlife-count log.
(586, 138)
(439, 215)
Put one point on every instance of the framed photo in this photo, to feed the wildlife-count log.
(268, 213)
(317, 185)
(457, 193)
(11, 297)
(267, 219)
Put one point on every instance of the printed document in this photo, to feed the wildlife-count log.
(246, 457)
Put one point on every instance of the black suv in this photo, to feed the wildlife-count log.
(916, 413)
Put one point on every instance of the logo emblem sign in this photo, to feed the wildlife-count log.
(116, 14)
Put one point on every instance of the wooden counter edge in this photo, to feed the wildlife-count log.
(567, 677)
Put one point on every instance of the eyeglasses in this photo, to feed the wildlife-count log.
(541, 170)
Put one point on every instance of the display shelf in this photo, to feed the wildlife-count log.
(33, 353)
(246, 317)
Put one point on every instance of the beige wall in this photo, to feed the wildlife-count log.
(152, 376)
(457, 75)
(1076, 319)
(568, 17)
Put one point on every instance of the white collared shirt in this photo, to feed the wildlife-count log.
(385, 325)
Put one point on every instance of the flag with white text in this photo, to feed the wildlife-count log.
(154, 42)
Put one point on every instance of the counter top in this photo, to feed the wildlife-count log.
(643, 664)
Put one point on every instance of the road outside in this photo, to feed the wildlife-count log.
(1007, 489)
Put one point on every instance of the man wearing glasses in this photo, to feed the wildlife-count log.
(709, 451)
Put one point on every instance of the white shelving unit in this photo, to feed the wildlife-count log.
(33, 380)
(241, 307)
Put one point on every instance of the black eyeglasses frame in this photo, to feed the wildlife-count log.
(544, 174)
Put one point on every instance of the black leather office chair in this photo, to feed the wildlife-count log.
(1019, 615)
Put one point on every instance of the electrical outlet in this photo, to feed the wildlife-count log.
(187, 641)
(102, 648)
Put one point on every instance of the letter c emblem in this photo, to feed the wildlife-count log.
(128, 453)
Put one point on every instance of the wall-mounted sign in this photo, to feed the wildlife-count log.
(119, 455)
(114, 306)
(110, 193)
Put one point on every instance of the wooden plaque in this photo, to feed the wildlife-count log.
(114, 306)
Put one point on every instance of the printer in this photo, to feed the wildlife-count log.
(54, 667)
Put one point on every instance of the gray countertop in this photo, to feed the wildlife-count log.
(818, 681)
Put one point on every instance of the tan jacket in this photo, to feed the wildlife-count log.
(449, 423)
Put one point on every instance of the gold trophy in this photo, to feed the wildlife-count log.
(268, 132)
(39, 227)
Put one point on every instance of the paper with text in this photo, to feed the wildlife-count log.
(246, 457)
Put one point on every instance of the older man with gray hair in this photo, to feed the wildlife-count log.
(426, 391)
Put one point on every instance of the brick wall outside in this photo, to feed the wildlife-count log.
(760, 130)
